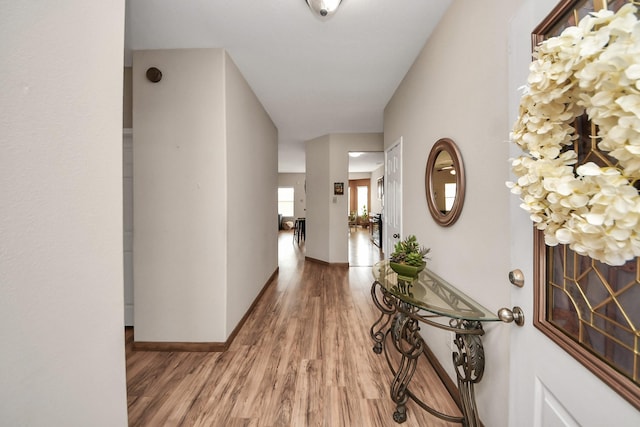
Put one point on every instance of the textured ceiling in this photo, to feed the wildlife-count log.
(314, 76)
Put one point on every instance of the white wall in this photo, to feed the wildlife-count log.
(464, 98)
(319, 198)
(205, 196)
(327, 162)
(127, 219)
(339, 211)
(252, 208)
(297, 181)
(359, 175)
(180, 193)
(61, 303)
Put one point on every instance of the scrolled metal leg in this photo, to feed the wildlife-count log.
(409, 343)
(380, 326)
(469, 364)
(400, 415)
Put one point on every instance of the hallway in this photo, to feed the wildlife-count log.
(362, 252)
(304, 357)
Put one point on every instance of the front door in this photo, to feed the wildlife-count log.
(548, 387)
(392, 217)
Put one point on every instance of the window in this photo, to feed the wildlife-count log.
(285, 201)
(449, 195)
(359, 195)
(363, 199)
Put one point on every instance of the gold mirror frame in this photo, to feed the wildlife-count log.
(445, 145)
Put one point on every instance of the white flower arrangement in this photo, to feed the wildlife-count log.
(592, 67)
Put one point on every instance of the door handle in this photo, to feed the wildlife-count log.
(516, 315)
(396, 236)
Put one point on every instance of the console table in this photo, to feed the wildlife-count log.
(429, 300)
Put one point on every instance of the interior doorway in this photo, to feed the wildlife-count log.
(365, 201)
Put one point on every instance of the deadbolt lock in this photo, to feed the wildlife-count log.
(516, 277)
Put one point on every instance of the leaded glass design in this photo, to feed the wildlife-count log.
(597, 305)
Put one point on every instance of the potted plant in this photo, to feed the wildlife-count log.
(408, 258)
(363, 219)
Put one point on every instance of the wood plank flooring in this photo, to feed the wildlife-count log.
(303, 358)
(362, 253)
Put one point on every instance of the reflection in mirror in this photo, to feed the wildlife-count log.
(444, 182)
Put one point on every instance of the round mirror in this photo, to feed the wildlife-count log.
(444, 182)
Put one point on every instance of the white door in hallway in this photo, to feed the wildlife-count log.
(548, 387)
(392, 217)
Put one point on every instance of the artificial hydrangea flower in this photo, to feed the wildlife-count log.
(593, 67)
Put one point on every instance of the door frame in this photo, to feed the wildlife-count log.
(388, 193)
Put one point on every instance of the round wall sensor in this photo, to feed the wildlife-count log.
(154, 75)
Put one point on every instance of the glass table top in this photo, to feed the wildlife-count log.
(432, 293)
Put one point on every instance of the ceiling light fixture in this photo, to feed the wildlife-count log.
(355, 154)
(323, 8)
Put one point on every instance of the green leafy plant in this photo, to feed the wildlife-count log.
(409, 251)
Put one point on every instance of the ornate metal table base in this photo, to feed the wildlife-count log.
(399, 322)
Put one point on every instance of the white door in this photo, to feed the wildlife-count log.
(548, 387)
(392, 218)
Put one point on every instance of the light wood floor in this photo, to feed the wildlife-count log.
(362, 253)
(303, 358)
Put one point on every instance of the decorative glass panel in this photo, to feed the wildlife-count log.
(597, 306)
